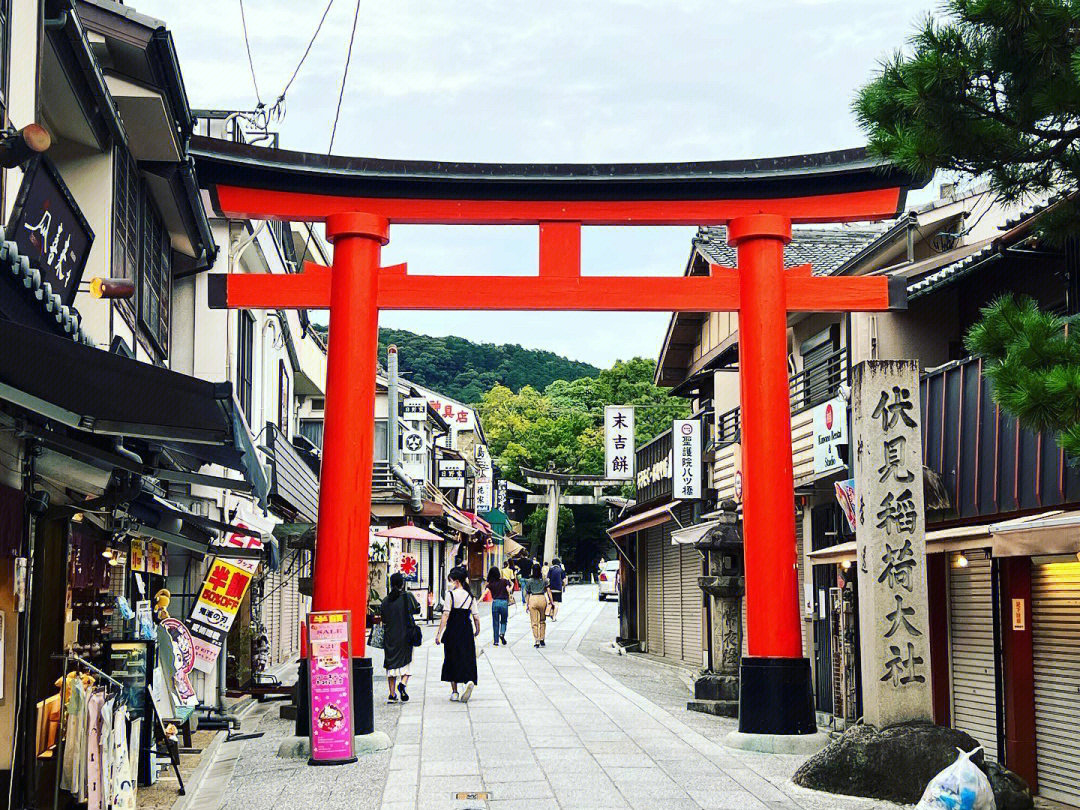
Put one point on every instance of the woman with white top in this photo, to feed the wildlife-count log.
(458, 635)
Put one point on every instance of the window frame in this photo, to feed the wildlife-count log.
(245, 362)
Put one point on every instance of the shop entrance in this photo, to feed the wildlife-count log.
(758, 200)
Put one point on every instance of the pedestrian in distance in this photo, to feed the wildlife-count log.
(556, 577)
(535, 590)
(502, 594)
(458, 629)
(399, 628)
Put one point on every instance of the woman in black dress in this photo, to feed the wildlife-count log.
(398, 609)
(457, 633)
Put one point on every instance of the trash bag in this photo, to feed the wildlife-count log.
(961, 786)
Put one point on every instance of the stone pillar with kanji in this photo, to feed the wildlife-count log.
(891, 538)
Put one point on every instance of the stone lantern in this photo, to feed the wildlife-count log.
(717, 690)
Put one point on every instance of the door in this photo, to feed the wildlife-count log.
(825, 532)
(691, 605)
(654, 639)
(971, 649)
(1055, 631)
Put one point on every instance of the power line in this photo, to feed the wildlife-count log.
(247, 46)
(278, 107)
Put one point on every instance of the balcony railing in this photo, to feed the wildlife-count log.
(293, 484)
(816, 383)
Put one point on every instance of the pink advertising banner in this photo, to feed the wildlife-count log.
(330, 673)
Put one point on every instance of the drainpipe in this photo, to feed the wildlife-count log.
(416, 500)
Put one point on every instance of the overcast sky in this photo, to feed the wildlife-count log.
(579, 81)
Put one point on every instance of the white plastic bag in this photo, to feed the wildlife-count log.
(961, 786)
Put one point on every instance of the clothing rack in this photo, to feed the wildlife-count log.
(67, 657)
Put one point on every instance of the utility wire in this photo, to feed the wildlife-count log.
(247, 46)
(279, 105)
(337, 112)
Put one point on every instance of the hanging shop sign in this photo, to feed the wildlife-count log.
(246, 518)
(456, 415)
(830, 433)
(485, 480)
(155, 559)
(49, 228)
(409, 567)
(483, 495)
(214, 611)
(414, 455)
(137, 556)
(619, 441)
(330, 678)
(414, 409)
(686, 436)
(183, 659)
(500, 495)
(452, 473)
(845, 496)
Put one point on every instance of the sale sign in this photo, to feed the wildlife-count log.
(214, 612)
(330, 678)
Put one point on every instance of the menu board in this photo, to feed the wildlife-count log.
(131, 663)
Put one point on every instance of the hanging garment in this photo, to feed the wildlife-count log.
(123, 790)
(74, 742)
(107, 714)
(94, 791)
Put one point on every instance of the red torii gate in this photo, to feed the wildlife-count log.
(359, 198)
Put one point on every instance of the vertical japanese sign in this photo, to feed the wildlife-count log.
(891, 540)
(485, 480)
(330, 677)
(219, 600)
(686, 435)
(500, 495)
(619, 441)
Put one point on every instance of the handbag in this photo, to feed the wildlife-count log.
(416, 635)
(375, 638)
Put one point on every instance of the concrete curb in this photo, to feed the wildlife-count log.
(300, 747)
(209, 757)
(801, 744)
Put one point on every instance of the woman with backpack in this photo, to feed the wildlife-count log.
(400, 634)
(458, 629)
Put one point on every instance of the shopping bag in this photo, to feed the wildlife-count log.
(378, 633)
(961, 786)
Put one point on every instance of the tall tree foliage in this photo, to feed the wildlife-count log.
(991, 88)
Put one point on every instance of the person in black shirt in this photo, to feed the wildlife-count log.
(556, 581)
(501, 595)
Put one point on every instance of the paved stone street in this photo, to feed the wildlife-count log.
(572, 726)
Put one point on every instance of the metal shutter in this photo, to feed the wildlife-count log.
(290, 631)
(1055, 630)
(672, 596)
(691, 606)
(654, 602)
(971, 649)
(800, 566)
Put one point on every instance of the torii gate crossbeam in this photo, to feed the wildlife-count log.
(360, 198)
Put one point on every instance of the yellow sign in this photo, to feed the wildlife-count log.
(138, 554)
(155, 559)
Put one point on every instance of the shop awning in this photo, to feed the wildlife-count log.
(1048, 533)
(513, 548)
(409, 533)
(691, 534)
(643, 520)
(108, 394)
(478, 522)
(460, 524)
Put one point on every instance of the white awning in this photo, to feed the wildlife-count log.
(460, 524)
(691, 534)
(643, 520)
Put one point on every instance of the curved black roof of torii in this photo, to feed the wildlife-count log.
(221, 162)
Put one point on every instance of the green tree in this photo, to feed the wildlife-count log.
(991, 89)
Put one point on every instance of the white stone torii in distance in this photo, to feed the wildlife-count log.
(553, 497)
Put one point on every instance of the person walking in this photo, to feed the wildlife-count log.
(502, 594)
(535, 590)
(556, 577)
(458, 629)
(398, 609)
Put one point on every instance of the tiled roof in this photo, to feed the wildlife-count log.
(824, 247)
(28, 280)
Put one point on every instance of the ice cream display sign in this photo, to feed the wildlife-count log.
(330, 675)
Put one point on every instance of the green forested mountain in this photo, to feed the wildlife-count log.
(464, 370)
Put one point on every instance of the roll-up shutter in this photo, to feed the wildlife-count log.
(672, 595)
(654, 574)
(800, 568)
(971, 648)
(691, 606)
(1055, 630)
(290, 631)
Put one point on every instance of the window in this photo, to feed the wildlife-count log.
(245, 349)
(155, 277)
(382, 448)
(283, 398)
(312, 430)
(142, 252)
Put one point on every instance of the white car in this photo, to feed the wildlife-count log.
(609, 579)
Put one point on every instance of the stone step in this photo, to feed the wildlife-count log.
(720, 708)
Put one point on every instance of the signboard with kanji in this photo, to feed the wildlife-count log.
(330, 680)
(414, 409)
(214, 611)
(686, 439)
(619, 441)
(890, 535)
(452, 473)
